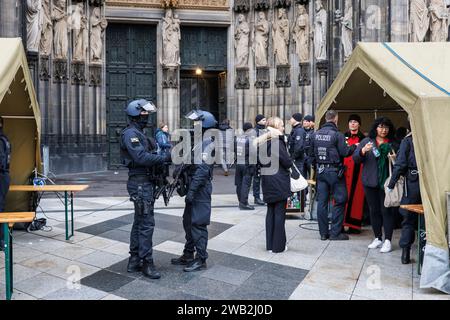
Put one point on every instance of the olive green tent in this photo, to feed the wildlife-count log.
(386, 78)
(21, 118)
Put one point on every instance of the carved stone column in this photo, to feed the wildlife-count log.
(44, 68)
(171, 104)
(243, 83)
(283, 81)
(322, 67)
(33, 65)
(304, 78)
(262, 82)
(60, 71)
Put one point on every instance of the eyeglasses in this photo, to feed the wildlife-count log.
(383, 127)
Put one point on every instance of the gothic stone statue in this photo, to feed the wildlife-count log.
(241, 44)
(78, 22)
(419, 20)
(281, 38)
(301, 34)
(439, 21)
(98, 26)
(171, 40)
(261, 40)
(347, 30)
(33, 24)
(320, 32)
(45, 45)
(60, 42)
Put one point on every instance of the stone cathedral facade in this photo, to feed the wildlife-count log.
(234, 58)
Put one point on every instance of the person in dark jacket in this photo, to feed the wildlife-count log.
(197, 212)
(296, 147)
(260, 129)
(406, 165)
(138, 153)
(373, 153)
(5, 156)
(162, 137)
(275, 185)
(244, 169)
(328, 150)
(308, 127)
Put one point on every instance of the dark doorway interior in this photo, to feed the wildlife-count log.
(205, 92)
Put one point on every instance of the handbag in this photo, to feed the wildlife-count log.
(298, 184)
(393, 198)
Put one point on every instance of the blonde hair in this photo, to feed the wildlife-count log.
(275, 122)
(162, 125)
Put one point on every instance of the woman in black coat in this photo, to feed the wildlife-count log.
(276, 184)
(373, 153)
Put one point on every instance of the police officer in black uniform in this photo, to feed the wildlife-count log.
(244, 169)
(197, 212)
(138, 153)
(308, 127)
(406, 165)
(260, 128)
(328, 149)
(5, 155)
(296, 141)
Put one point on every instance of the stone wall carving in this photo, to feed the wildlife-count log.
(262, 4)
(44, 68)
(241, 44)
(261, 41)
(78, 23)
(45, 44)
(98, 26)
(95, 75)
(182, 4)
(419, 20)
(347, 29)
(301, 34)
(262, 78)
(60, 39)
(33, 16)
(78, 72)
(320, 32)
(241, 5)
(170, 77)
(282, 3)
(60, 70)
(283, 79)
(281, 38)
(242, 78)
(439, 20)
(171, 37)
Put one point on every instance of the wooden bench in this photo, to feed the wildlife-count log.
(56, 188)
(9, 219)
(417, 208)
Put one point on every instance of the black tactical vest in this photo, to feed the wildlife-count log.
(325, 147)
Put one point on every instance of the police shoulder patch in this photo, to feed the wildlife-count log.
(297, 138)
(135, 141)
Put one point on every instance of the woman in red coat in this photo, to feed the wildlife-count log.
(355, 203)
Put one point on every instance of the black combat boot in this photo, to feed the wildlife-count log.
(134, 264)
(339, 237)
(406, 255)
(243, 206)
(196, 265)
(184, 260)
(149, 270)
(259, 202)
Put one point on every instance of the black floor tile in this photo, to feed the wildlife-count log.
(117, 235)
(106, 281)
(144, 290)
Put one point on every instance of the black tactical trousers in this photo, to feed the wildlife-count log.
(410, 222)
(328, 184)
(275, 226)
(257, 185)
(243, 181)
(140, 190)
(196, 235)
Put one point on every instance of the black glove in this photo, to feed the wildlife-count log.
(167, 158)
(189, 197)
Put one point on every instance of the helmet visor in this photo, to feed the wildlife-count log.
(149, 107)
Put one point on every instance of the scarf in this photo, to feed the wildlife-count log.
(383, 162)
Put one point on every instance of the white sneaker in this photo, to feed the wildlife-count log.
(285, 249)
(375, 244)
(387, 247)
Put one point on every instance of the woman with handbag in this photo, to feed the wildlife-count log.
(373, 153)
(276, 185)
